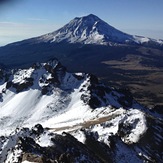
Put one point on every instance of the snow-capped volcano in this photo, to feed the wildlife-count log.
(91, 30)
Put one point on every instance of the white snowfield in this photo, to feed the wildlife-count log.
(62, 109)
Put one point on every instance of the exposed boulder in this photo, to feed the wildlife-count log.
(45, 90)
(38, 129)
(9, 84)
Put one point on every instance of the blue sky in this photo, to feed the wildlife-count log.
(21, 19)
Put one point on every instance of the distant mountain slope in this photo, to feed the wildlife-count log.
(90, 30)
(108, 122)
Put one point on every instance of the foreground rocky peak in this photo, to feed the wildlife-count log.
(98, 116)
(46, 76)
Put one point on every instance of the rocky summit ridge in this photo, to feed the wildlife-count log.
(48, 114)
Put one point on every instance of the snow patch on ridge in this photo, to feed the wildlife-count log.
(131, 122)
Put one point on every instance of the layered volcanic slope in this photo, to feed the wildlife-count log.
(100, 123)
(90, 29)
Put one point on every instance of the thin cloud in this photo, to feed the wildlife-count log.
(13, 31)
(4, 25)
(37, 19)
(9, 23)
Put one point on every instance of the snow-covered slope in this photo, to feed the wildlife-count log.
(91, 30)
(75, 103)
(47, 94)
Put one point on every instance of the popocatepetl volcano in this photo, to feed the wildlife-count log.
(91, 29)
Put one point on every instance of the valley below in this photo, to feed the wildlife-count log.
(138, 69)
(142, 79)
